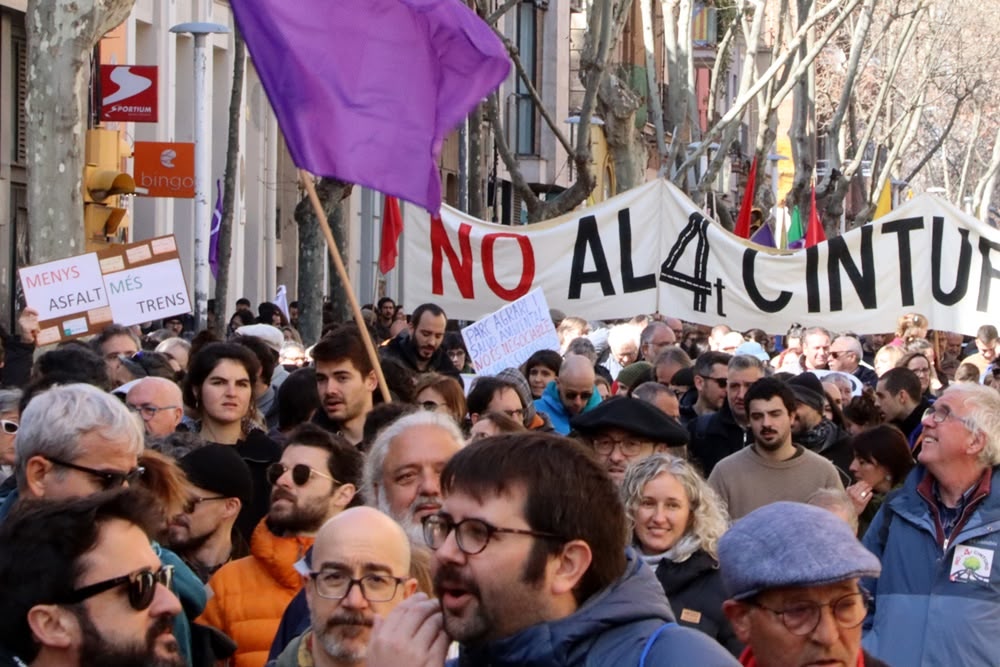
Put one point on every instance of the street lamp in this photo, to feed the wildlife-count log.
(202, 164)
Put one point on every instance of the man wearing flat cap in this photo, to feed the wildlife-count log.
(792, 573)
(623, 430)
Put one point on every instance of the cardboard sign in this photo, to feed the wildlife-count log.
(144, 281)
(651, 249)
(128, 93)
(506, 338)
(164, 169)
(65, 288)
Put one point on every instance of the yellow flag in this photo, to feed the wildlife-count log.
(884, 206)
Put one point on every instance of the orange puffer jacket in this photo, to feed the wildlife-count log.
(249, 595)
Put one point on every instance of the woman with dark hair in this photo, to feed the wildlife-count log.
(219, 391)
(298, 400)
(454, 347)
(241, 318)
(882, 460)
(861, 413)
(540, 369)
(441, 393)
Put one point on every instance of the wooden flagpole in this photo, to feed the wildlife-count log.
(338, 263)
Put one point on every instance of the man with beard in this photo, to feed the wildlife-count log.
(385, 313)
(345, 380)
(812, 430)
(202, 534)
(82, 585)
(420, 348)
(773, 468)
(315, 479)
(358, 570)
(531, 568)
(403, 468)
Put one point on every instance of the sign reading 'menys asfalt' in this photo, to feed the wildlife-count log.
(651, 249)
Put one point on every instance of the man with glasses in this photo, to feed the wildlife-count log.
(220, 484)
(359, 570)
(82, 585)
(571, 393)
(531, 567)
(492, 394)
(846, 355)
(710, 378)
(316, 479)
(158, 401)
(791, 572)
(73, 441)
(937, 540)
(623, 430)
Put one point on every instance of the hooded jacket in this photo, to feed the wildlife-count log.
(611, 628)
(250, 594)
(402, 349)
(552, 405)
(937, 599)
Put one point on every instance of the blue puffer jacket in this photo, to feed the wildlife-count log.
(611, 628)
(551, 404)
(928, 610)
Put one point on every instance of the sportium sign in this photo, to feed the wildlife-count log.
(164, 169)
(128, 93)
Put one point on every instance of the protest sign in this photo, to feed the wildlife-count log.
(651, 249)
(69, 295)
(506, 338)
(145, 281)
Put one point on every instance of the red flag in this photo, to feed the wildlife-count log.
(743, 220)
(814, 232)
(392, 227)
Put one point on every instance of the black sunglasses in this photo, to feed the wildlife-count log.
(141, 587)
(300, 473)
(192, 503)
(107, 479)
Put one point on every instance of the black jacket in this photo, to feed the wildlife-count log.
(694, 590)
(832, 443)
(867, 376)
(714, 437)
(402, 350)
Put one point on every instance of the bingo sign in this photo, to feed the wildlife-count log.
(125, 284)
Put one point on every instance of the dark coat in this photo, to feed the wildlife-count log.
(714, 437)
(694, 589)
(402, 350)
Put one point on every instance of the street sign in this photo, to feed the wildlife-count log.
(128, 93)
(164, 169)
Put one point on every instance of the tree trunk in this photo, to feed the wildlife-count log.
(477, 207)
(229, 185)
(617, 105)
(312, 255)
(337, 290)
(61, 41)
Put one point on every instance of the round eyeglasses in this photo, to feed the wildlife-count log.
(336, 585)
(471, 535)
(802, 618)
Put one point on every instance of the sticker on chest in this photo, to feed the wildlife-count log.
(971, 564)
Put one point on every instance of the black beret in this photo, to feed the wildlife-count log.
(219, 469)
(633, 416)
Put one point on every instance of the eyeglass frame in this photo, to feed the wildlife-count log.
(491, 530)
(164, 576)
(5, 423)
(131, 477)
(721, 383)
(933, 413)
(284, 469)
(817, 608)
(141, 410)
(191, 504)
(603, 449)
(570, 395)
(351, 581)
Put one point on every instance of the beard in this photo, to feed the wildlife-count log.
(96, 650)
(304, 516)
(341, 636)
(187, 543)
(408, 520)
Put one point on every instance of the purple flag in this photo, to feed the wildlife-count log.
(366, 90)
(213, 239)
(764, 236)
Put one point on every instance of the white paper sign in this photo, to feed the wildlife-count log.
(64, 287)
(149, 292)
(506, 338)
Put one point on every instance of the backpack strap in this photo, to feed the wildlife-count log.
(649, 643)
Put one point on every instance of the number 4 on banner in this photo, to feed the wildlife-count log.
(702, 289)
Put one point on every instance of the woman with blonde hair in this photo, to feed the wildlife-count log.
(677, 520)
(909, 327)
(887, 357)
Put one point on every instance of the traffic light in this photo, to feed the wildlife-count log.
(103, 182)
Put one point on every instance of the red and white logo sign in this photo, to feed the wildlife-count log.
(128, 93)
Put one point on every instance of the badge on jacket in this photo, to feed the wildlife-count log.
(971, 565)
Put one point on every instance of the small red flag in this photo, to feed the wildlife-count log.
(392, 227)
(814, 232)
(743, 220)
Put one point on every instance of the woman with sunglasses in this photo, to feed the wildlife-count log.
(441, 393)
(10, 418)
(218, 391)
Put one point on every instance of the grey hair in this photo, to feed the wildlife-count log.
(836, 501)
(840, 381)
(55, 420)
(650, 330)
(375, 461)
(745, 362)
(623, 333)
(173, 342)
(852, 343)
(983, 404)
(10, 400)
(709, 519)
(673, 354)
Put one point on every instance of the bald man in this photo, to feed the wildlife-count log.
(158, 401)
(571, 393)
(359, 569)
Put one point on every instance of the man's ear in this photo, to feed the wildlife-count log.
(343, 496)
(569, 566)
(699, 382)
(37, 471)
(232, 507)
(409, 587)
(371, 381)
(738, 614)
(53, 626)
(473, 417)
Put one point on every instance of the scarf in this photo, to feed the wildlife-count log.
(680, 552)
(818, 437)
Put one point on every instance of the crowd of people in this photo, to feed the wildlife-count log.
(655, 492)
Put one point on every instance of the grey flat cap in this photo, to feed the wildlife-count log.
(791, 544)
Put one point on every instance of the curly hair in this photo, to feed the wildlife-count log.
(709, 518)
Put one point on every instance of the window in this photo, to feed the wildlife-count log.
(525, 126)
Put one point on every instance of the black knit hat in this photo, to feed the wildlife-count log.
(219, 469)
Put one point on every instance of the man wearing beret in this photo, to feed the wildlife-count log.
(623, 430)
(792, 574)
(202, 534)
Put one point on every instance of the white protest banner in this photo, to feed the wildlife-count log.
(506, 338)
(145, 281)
(64, 287)
(650, 249)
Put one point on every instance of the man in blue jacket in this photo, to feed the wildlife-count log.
(938, 599)
(531, 568)
(571, 393)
